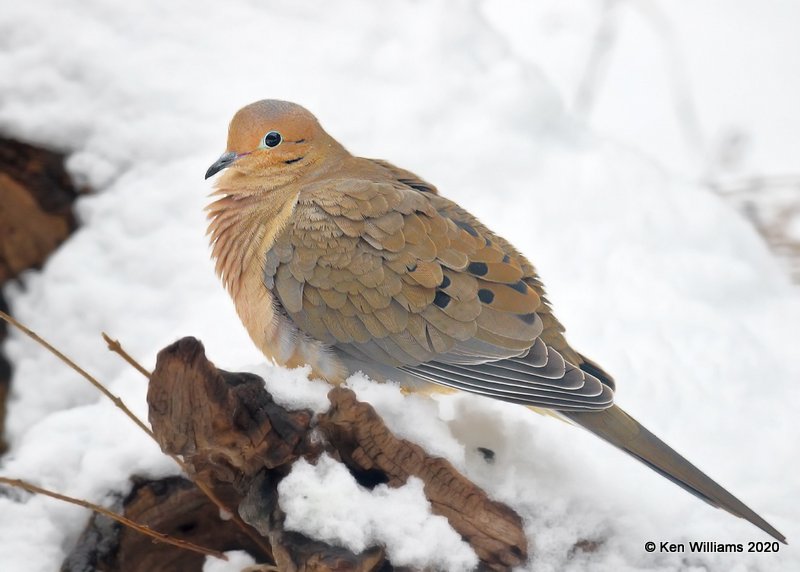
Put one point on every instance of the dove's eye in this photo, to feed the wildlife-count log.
(272, 139)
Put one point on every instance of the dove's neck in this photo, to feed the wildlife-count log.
(242, 228)
(252, 209)
(243, 225)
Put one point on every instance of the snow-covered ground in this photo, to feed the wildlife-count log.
(654, 277)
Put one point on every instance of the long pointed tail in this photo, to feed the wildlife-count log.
(624, 432)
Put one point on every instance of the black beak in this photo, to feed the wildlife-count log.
(225, 160)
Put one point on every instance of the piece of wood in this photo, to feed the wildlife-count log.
(234, 437)
(230, 432)
(172, 504)
(295, 552)
(367, 446)
(229, 429)
(5, 374)
(36, 196)
(28, 234)
(226, 426)
(42, 172)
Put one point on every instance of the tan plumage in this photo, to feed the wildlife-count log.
(351, 264)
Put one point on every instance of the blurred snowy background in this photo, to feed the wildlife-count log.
(626, 147)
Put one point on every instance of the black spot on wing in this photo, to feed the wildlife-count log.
(441, 299)
(467, 227)
(485, 296)
(445, 282)
(417, 185)
(528, 318)
(478, 268)
(520, 287)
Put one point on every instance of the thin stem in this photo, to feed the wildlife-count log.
(116, 347)
(143, 529)
(39, 340)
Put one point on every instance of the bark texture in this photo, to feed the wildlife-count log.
(36, 197)
(236, 439)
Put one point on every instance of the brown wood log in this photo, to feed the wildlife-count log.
(36, 197)
(27, 233)
(230, 432)
(226, 426)
(5, 375)
(365, 443)
(172, 504)
(235, 438)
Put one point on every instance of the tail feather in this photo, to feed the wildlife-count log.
(624, 432)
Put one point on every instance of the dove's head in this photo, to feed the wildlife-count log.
(273, 139)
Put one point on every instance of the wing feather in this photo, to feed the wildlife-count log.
(391, 274)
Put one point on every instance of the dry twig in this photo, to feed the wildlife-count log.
(146, 530)
(116, 347)
(91, 379)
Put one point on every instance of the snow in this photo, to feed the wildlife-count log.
(324, 501)
(237, 560)
(292, 388)
(654, 277)
(412, 417)
(683, 81)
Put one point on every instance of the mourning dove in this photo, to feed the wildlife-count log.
(350, 264)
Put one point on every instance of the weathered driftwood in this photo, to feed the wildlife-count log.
(366, 446)
(236, 438)
(5, 374)
(172, 504)
(36, 198)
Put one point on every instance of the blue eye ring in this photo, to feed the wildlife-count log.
(272, 139)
